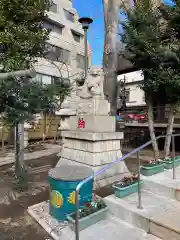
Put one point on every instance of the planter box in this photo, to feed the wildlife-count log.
(121, 192)
(89, 220)
(168, 164)
(151, 170)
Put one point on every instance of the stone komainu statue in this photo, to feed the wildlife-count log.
(93, 85)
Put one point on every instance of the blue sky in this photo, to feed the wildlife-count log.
(93, 9)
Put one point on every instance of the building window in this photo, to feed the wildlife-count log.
(55, 53)
(59, 80)
(56, 80)
(69, 15)
(42, 78)
(53, 8)
(53, 27)
(64, 55)
(80, 59)
(76, 36)
(51, 52)
(127, 95)
(58, 29)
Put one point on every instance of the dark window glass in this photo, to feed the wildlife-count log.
(48, 25)
(53, 27)
(42, 78)
(57, 29)
(55, 53)
(76, 37)
(51, 52)
(69, 15)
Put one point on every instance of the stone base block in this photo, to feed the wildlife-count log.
(94, 150)
(92, 136)
(92, 147)
(93, 106)
(94, 123)
(91, 158)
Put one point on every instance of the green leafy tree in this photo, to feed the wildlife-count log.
(19, 102)
(60, 90)
(22, 32)
(142, 37)
(153, 46)
(171, 64)
(63, 90)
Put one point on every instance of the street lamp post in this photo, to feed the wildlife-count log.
(85, 25)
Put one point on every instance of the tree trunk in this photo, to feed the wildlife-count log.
(151, 129)
(11, 136)
(20, 168)
(111, 17)
(44, 127)
(169, 131)
(2, 140)
(17, 149)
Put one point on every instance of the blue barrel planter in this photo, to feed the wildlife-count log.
(63, 182)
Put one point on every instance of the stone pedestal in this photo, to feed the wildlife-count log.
(93, 123)
(92, 139)
(94, 147)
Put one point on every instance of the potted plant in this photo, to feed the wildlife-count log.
(168, 162)
(178, 157)
(126, 186)
(152, 167)
(89, 214)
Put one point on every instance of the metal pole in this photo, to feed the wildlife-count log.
(139, 179)
(21, 142)
(77, 215)
(85, 53)
(22, 73)
(16, 147)
(173, 152)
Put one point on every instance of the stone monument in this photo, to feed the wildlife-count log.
(91, 139)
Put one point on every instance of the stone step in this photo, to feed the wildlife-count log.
(160, 216)
(110, 228)
(163, 184)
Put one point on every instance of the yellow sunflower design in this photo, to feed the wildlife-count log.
(56, 199)
(72, 198)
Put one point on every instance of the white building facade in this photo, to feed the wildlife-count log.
(135, 96)
(65, 57)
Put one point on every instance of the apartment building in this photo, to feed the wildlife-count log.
(65, 47)
(135, 97)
